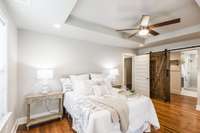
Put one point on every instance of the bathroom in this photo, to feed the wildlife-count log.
(189, 63)
(184, 72)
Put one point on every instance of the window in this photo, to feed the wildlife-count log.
(3, 68)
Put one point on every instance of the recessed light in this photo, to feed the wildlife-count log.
(141, 45)
(58, 26)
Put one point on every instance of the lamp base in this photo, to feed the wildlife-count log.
(44, 87)
(44, 90)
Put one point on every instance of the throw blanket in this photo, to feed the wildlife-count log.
(118, 108)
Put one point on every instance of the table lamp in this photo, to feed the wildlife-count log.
(113, 73)
(45, 75)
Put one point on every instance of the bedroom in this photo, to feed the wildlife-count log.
(45, 43)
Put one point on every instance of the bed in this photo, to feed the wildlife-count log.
(90, 118)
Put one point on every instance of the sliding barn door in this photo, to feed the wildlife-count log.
(141, 74)
(160, 75)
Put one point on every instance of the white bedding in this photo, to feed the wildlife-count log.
(141, 114)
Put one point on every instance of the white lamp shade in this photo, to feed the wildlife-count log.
(45, 74)
(114, 72)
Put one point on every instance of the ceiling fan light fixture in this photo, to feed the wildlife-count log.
(143, 32)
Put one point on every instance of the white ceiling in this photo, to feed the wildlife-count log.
(127, 13)
(40, 12)
(40, 15)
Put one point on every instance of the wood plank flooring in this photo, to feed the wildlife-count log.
(56, 126)
(179, 116)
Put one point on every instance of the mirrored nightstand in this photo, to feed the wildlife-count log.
(41, 97)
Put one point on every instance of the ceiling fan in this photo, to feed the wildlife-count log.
(144, 28)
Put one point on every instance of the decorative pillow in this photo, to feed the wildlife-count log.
(66, 84)
(104, 82)
(101, 90)
(102, 87)
(82, 87)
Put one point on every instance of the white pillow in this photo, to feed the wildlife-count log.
(82, 87)
(104, 82)
(102, 87)
(95, 76)
(79, 77)
(66, 84)
(101, 90)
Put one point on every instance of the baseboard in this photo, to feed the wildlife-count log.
(15, 126)
(189, 93)
(198, 107)
(22, 120)
(4, 123)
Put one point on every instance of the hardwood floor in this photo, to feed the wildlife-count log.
(56, 126)
(179, 116)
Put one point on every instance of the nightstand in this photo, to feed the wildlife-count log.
(41, 97)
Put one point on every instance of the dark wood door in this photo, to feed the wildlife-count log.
(128, 70)
(160, 75)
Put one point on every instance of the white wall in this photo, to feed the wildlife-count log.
(169, 46)
(12, 64)
(67, 56)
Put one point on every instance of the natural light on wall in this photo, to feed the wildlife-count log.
(3, 69)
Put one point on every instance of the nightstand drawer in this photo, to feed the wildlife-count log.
(42, 97)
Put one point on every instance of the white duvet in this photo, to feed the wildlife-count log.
(91, 119)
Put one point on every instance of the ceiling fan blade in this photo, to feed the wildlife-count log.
(173, 21)
(132, 35)
(153, 32)
(145, 20)
(128, 29)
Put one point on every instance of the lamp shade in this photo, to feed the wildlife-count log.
(114, 72)
(45, 74)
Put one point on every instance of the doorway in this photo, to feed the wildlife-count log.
(184, 69)
(189, 70)
(184, 77)
(128, 71)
